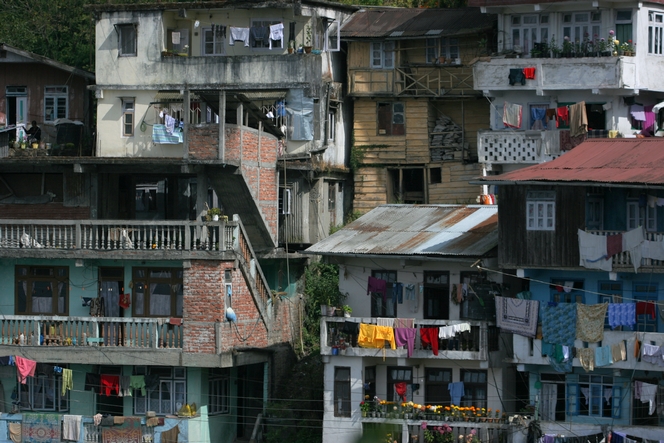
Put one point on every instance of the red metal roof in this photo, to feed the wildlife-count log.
(620, 161)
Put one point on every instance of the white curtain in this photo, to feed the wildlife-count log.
(549, 400)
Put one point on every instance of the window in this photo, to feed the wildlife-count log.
(644, 292)
(435, 175)
(382, 55)
(219, 391)
(553, 398)
(655, 26)
(395, 376)
(474, 387)
(391, 118)
(332, 122)
(406, 185)
(595, 212)
(126, 40)
(42, 290)
(55, 103)
(285, 196)
(596, 396)
(624, 25)
(43, 392)
(541, 211)
(341, 392)
(528, 30)
(580, 26)
(436, 390)
(157, 292)
(263, 26)
(447, 48)
(333, 37)
(178, 41)
(436, 295)
(641, 215)
(168, 394)
(566, 291)
(384, 306)
(127, 117)
(596, 115)
(370, 382)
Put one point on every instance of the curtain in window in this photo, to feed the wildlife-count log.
(549, 400)
(160, 299)
(110, 290)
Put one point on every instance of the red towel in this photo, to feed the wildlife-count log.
(24, 368)
(125, 301)
(175, 321)
(110, 383)
(646, 307)
(529, 73)
(429, 336)
(401, 389)
(613, 245)
(563, 114)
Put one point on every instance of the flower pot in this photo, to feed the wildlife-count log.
(347, 314)
(364, 414)
(330, 311)
(291, 50)
(308, 49)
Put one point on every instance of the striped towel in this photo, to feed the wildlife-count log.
(161, 136)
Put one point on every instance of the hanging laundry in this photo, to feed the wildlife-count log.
(619, 352)
(512, 114)
(67, 381)
(593, 251)
(632, 241)
(648, 127)
(277, 34)
(109, 384)
(590, 322)
(515, 76)
(653, 249)
(429, 336)
(648, 394)
(456, 392)
(538, 117)
(563, 114)
(92, 382)
(137, 382)
(259, 35)
(71, 425)
(239, 34)
(559, 324)
(613, 245)
(405, 337)
(622, 314)
(652, 354)
(397, 293)
(578, 120)
(410, 291)
(404, 322)
(586, 358)
(646, 308)
(637, 113)
(529, 73)
(551, 120)
(24, 368)
(366, 337)
(401, 388)
(378, 286)
(383, 334)
(603, 356)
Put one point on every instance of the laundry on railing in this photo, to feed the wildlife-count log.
(161, 136)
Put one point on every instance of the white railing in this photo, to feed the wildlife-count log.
(140, 333)
(117, 235)
(512, 147)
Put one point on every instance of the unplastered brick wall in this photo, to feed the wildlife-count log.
(204, 308)
(203, 141)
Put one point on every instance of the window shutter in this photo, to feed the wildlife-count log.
(616, 401)
(573, 399)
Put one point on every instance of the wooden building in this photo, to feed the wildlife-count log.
(416, 113)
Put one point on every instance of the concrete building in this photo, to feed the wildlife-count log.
(425, 255)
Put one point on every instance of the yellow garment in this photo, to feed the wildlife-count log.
(14, 432)
(586, 358)
(365, 339)
(384, 333)
(613, 134)
(67, 380)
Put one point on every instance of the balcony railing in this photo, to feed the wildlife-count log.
(487, 432)
(467, 345)
(418, 80)
(518, 147)
(106, 235)
(623, 259)
(138, 333)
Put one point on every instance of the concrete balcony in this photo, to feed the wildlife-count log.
(552, 74)
(518, 147)
(487, 432)
(529, 350)
(470, 345)
(128, 239)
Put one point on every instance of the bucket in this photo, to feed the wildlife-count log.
(35, 145)
(335, 351)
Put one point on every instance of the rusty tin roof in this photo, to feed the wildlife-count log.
(619, 161)
(417, 230)
(404, 23)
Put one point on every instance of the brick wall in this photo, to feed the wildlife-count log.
(203, 141)
(204, 307)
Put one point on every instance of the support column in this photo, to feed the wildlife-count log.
(201, 194)
(187, 111)
(222, 126)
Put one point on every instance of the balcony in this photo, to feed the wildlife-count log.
(469, 345)
(529, 350)
(129, 239)
(415, 80)
(487, 432)
(553, 74)
(518, 147)
(622, 261)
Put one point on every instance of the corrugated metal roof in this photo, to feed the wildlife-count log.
(412, 22)
(621, 161)
(424, 230)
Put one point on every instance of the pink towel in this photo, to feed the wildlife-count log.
(24, 368)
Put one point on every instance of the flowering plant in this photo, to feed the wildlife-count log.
(627, 46)
(470, 437)
(365, 406)
(438, 434)
(497, 413)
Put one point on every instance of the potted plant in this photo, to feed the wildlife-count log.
(347, 310)
(291, 46)
(307, 39)
(213, 214)
(627, 49)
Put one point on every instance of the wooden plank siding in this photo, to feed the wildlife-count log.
(520, 248)
(455, 188)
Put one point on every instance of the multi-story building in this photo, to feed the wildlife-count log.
(199, 106)
(410, 269)
(415, 111)
(584, 230)
(554, 56)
